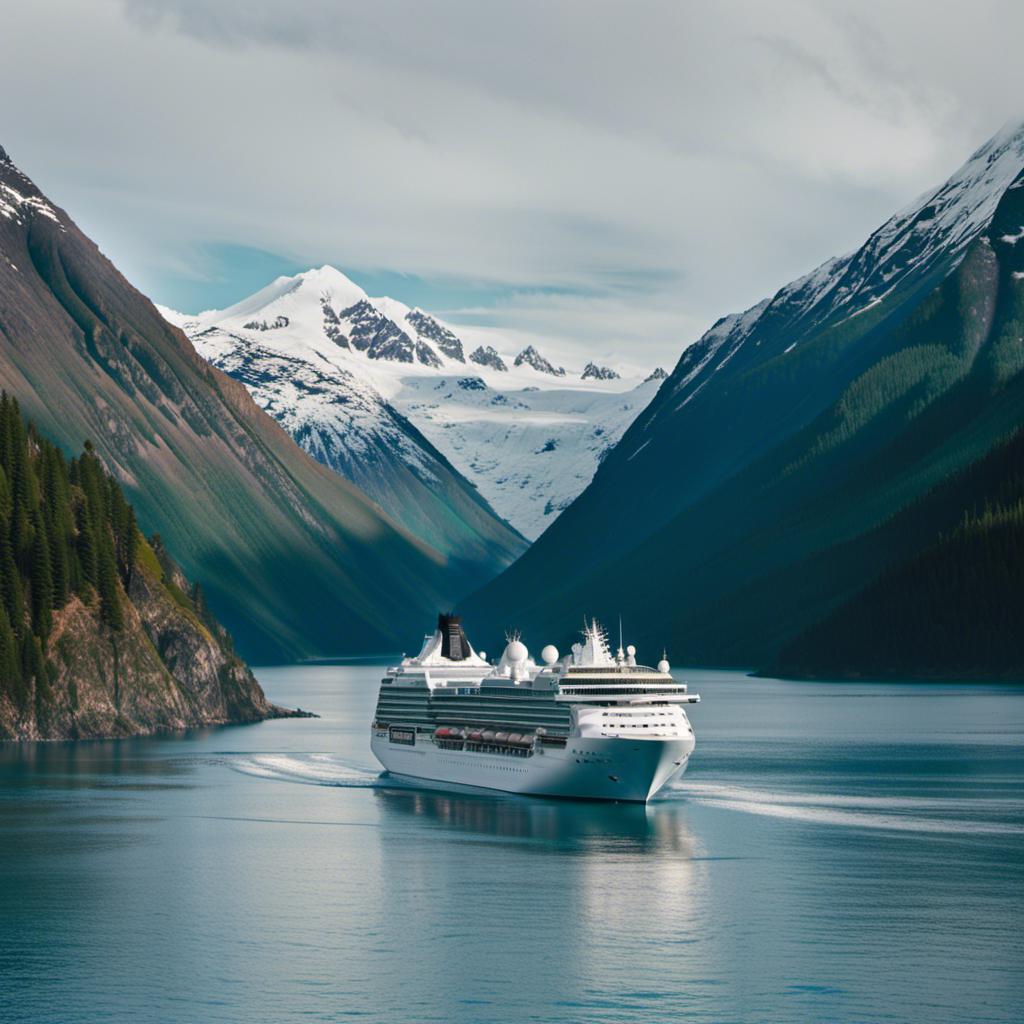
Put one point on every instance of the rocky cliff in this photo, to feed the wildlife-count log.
(164, 669)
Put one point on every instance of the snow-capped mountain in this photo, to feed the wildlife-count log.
(912, 250)
(376, 390)
(592, 370)
(768, 478)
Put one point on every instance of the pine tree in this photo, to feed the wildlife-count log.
(110, 599)
(131, 546)
(56, 508)
(10, 586)
(86, 547)
(31, 661)
(10, 663)
(42, 585)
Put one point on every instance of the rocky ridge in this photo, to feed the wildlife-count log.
(594, 372)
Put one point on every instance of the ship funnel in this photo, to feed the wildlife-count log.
(454, 645)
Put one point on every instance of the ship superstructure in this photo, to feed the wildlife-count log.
(589, 724)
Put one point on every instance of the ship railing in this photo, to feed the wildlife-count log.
(620, 692)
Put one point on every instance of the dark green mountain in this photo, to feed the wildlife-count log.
(733, 513)
(296, 561)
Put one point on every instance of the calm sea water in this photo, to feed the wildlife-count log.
(834, 853)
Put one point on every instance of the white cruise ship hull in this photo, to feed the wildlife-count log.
(594, 768)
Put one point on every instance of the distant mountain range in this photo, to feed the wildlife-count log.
(751, 497)
(388, 397)
(295, 560)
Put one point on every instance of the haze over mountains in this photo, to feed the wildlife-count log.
(797, 452)
(295, 560)
(751, 496)
(393, 400)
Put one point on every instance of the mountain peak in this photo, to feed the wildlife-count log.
(531, 357)
(595, 372)
(309, 287)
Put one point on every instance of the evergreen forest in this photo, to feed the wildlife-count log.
(955, 609)
(67, 531)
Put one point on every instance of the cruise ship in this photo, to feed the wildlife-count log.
(589, 725)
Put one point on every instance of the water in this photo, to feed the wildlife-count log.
(840, 853)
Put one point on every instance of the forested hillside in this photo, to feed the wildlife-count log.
(954, 610)
(100, 634)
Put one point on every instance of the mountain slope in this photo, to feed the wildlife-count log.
(344, 423)
(295, 560)
(793, 428)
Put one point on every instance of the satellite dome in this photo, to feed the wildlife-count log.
(631, 651)
(550, 654)
(516, 651)
(663, 666)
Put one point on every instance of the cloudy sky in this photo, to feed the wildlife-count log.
(607, 179)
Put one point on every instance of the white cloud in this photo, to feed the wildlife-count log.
(669, 163)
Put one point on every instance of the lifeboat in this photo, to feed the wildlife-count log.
(488, 736)
(514, 739)
(501, 737)
(476, 737)
(441, 734)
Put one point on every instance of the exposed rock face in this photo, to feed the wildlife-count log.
(594, 372)
(370, 331)
(427, 327)
(268, 325)
(332, 325)
(488, 356)
(533, 358)
(165, 669)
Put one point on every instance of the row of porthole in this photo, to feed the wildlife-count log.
(489, 764)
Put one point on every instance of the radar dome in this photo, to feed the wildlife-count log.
(631, 651)
(516, 651)
(663, 666)
(550, 654)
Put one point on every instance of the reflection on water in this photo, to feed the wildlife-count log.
(86, 758)
(653, 829)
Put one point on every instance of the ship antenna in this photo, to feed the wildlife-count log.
(620, 631)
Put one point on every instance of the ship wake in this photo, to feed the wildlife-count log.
(898, 813)
(306, 769)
